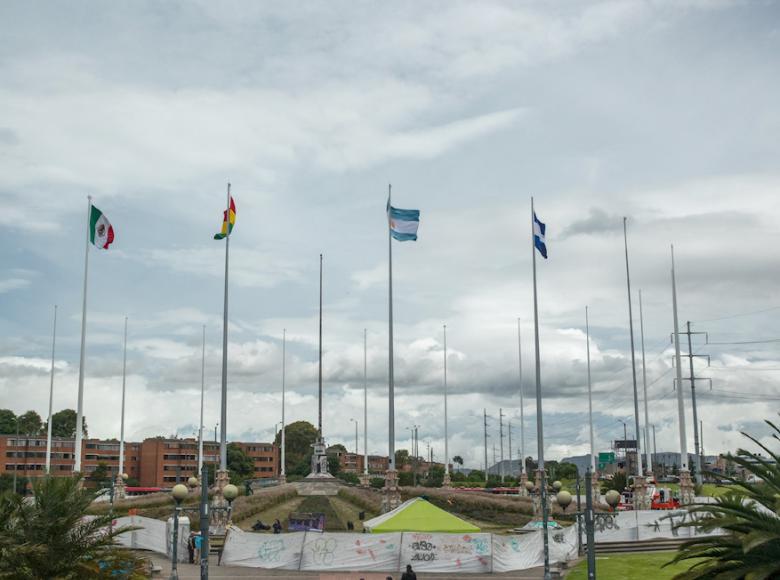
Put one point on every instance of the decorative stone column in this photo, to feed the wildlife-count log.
(219, 517)
(537, 497)
(687, 491)
(119, 487)
(595, 488)
(641, 500)
(523, 479)
(365, 479)
(391, 495)
(447, 481)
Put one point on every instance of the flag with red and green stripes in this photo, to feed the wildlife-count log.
(225, 231)
(101, 233)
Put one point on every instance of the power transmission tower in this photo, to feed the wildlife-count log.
(693, 378)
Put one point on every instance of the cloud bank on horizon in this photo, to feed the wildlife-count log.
(664, 112)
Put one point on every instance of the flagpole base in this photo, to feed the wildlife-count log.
(641, 499)
(219, 517)
(447, 481)
(687, 491)
(523, 491)
(119, 487)
(391, 495)
(365, 479)
(595, 488)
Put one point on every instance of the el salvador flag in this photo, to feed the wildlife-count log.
(403, 223)
(539, 229)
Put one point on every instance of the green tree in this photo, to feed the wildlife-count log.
(100, 475)
(566, 471)
(7, 422)
(749, 516)
(50, 537)
(239, 464)
(349, 477)
(30, 423)
(618, 483)
(298, 440)
(435, 477)
(476, 475)
(334, 467)
(63, 424)
(458, 460)
(401, 458)
(7, 483)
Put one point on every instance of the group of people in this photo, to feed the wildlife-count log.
(194, 543)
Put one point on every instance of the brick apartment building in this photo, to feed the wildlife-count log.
(156, 462)
(353, 463)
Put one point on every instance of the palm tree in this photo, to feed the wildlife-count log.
(48, 536)
(458, 459)
(750, 517)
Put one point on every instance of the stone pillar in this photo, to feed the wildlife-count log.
(523, 480)
(219, 517)
(282, 479)
(447, 482)
(595, 488)
(641, 500)
(365, 479)
(687, 492)
(537, 497)
(119, 487)
(391, 495)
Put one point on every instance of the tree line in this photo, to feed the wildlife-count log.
(63, 423)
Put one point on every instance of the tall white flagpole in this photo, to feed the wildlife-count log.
(446, 442)
(539, 425)
(223, 416)
(202, 392)
(365, 402)
(283, 469)
(639, 471)
(391, 378)
(590, 396)
(122, 421)
(522, 405)
(680, 401)
(80, 404)
(648, 458)
(51, 394)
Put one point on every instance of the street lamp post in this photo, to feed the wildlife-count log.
(179, 493)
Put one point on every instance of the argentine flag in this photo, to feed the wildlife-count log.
(403, 223)
(539, 229)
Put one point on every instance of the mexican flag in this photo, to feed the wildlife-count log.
(101, 233)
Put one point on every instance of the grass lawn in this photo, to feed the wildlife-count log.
(631, 566)
(280, 511)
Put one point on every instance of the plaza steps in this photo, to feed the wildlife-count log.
(660, 545)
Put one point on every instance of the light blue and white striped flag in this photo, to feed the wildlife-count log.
(403, 223)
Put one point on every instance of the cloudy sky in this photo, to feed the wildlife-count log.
(664, 112)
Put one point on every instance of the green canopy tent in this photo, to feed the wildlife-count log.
(418, 515)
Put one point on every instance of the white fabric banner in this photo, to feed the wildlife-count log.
(447, 552)
(335, 551)
(639, 525)
(517, 552)
(263, 550)
(150, 536)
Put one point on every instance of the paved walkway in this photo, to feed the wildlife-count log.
(192, 572)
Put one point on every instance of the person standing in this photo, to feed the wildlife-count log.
(409, 574)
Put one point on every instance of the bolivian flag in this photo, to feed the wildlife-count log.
(225, 231)
(101, 233)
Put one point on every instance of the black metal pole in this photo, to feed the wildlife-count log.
(204, 523)
(589, 531)
(579, 518)
(174, 570)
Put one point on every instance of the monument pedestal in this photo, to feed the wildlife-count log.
(119, 487)
(219, 517)
(319, 462)
(595, 488)
(391, 495)
(523, 480)
(687, 491)
(447, 481)
(641, 499)
(282, 479)
(365, 479)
